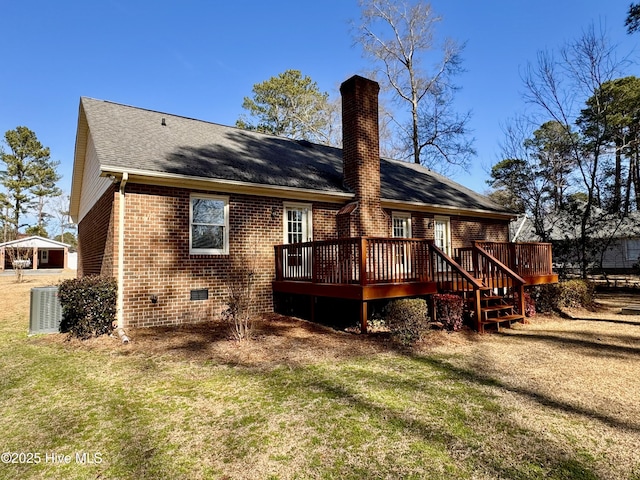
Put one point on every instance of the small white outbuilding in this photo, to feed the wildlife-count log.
(34, 253)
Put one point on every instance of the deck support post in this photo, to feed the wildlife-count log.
(363, 316)
(521, 301)
(477, 310)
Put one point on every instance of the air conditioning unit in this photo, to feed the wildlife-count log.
(46, 312)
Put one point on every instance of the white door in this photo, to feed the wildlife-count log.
(442, 237)
(297, 229)
(401, 229)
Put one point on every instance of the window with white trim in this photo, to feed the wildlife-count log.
(401, 225)
(208, 225)
(632, 247)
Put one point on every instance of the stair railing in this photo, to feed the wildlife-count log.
(496, 275)
(451, 277)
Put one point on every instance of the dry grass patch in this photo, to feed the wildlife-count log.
(576, 378)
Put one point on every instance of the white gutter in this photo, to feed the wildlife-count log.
(147, 177)
(120, 280)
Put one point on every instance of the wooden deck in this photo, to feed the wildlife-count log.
(366, 268)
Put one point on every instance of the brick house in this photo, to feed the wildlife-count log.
(172, 207)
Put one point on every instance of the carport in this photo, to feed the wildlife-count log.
(34, 253)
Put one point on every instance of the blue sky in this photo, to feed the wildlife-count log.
(199, 58)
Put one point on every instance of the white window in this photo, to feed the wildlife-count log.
(442, 240)
(209, 225)
(401, 222)
(401, 225)
(633, 249)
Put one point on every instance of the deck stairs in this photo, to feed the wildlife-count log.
(497, 305)
(497, 310)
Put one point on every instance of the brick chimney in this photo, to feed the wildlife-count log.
(361, 160)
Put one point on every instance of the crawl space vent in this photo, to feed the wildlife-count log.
(46, 312)
(202, 294)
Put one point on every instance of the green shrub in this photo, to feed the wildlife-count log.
(576, 293)
(568, 294)
(449, 310)
(88, 306)
(407, 319)
(546, 297)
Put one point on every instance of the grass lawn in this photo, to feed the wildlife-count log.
(553, 399)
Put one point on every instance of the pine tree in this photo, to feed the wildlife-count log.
(29, 172)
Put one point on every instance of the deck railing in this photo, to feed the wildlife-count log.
(452, 277)
(525, 259)
(397, 260)
(343, 261)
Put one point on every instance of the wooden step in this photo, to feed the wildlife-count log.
(499, 320)
(496, 308)
(492, 297)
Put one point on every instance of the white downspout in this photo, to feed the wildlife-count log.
(120, 280)
(515, 237)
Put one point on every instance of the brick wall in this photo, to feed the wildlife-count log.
(157, 259)
(420, 225)
(158, 263)
(464, 230)
(96, 234)
(324, 221)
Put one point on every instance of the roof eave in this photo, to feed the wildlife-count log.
(32, 238)
(147, 177)
(445, 209)
(79, 157)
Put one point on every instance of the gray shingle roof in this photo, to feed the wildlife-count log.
(134, 138)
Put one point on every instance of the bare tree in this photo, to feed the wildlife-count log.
(401, 37)
(516, 180)
(5, 216)
(241, 285)
(20, 259)
(560, 88)
(60, 208)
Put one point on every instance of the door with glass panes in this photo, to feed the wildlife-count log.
(401, 254)
(442, 238)
(297, 229)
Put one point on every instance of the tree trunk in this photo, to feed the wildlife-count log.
(617, 181)
(636, 175)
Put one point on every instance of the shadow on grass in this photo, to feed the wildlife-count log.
(442, 408)
(564, 407)
(458, 421)
(606, 320)
(593, 342)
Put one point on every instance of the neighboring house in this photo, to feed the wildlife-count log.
(614, 244)
(174, 208)
(33, 253)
